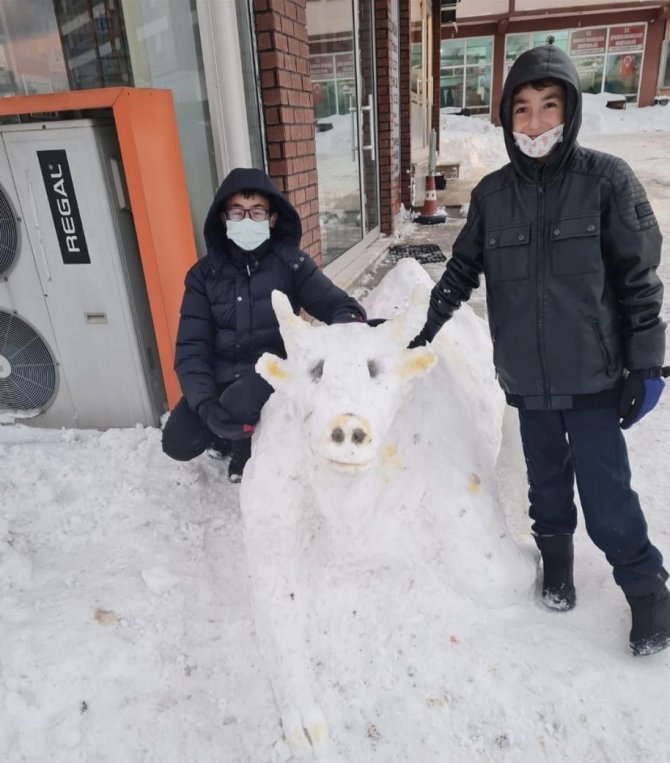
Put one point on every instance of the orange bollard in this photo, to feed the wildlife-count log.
(430, 215)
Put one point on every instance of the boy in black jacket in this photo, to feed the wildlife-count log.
(227, 322)
(569, 246)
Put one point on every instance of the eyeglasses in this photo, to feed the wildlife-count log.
(257, 214)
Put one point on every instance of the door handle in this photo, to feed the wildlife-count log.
(370, 108)
(354, 130)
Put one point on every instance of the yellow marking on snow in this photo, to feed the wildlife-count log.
(318, 733)
(274, 370)
(474, 483)
(417, 363)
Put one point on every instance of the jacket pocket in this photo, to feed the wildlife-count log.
(575, 245)
(507, 253)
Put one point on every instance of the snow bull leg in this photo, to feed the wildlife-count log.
(273, 538)
(337, 393)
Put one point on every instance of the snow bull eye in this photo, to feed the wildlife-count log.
(316, 371)
(373, 368)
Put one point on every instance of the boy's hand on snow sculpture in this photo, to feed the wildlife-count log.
(217, 420)
(427, 333)
(640, 392)
(244, 398)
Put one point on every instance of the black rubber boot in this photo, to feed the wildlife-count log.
(558, 587)
(238, 459)
(220, 448)
(651, 622)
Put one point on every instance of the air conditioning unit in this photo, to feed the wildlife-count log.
(448, 11)
(77, 347)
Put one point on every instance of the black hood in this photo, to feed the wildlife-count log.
(544, 62)
(287, 227)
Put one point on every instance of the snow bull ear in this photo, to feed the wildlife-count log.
(273, 369)
(290, 325)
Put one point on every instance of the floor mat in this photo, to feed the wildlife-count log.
(422, 253)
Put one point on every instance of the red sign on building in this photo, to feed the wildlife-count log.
(584, 42)
(625, 38)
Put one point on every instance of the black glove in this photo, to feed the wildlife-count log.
(428, 332)
(639, 394)
(217, 420)
(243, 399)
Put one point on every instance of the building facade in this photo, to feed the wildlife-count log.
(336, 99)
(305, 89)
(619, 48)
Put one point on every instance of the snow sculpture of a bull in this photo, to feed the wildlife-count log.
(346, 466)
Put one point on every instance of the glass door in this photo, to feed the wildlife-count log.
(342, 66)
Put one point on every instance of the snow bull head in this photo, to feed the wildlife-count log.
(345, 382)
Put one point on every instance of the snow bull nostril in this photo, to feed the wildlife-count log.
(359, 436)
(337, 435)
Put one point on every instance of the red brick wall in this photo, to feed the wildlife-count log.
(406, 107)
(286, 92)
(387, 88)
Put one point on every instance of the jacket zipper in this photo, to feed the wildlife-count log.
(541, 262)
(603, 345)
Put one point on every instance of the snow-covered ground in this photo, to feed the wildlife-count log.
(126, 626)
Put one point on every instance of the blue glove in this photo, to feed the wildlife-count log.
(640, 392)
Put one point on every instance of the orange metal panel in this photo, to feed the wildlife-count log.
(149, 141)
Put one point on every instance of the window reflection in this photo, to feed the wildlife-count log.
(56, 45)
(462, 84)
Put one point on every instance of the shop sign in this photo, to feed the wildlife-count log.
(625, 38)
(321, 67)
(344, 65)
(585, 42)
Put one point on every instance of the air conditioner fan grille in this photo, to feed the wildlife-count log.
(8, 234)
(28, 374)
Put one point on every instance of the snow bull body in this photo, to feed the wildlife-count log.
(350, 470)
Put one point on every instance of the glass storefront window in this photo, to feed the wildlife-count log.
(590, 70)
(623, 74)
(515, 45)
(465, 74)
(479, 51)
(478, 89)
(452, 53)
(57, 45)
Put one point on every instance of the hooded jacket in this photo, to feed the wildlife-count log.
(227, 321)
(569, 247)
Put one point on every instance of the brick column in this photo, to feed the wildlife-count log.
(404, 38)
(286, 93)
(386, 36)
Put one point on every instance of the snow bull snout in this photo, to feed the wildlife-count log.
(345, 382)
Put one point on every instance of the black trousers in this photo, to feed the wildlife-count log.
(185, 436)
(588, 446)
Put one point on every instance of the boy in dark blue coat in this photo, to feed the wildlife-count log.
(227, 322)
(569, 246)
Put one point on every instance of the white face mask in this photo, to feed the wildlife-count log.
(247, 233)
(541, 146)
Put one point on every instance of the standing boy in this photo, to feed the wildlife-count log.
(569, 246)
(227, 322)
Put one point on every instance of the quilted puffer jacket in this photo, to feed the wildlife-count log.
(227, 321)
(569, 248)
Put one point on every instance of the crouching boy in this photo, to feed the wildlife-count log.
(227, 322)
